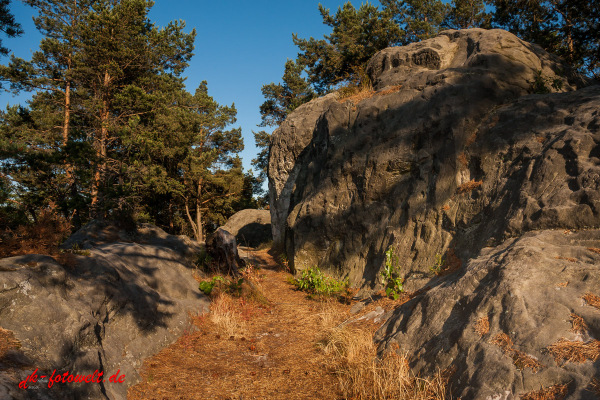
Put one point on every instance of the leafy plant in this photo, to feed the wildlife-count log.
(207, 286)
(542, 84)
(394, 284)
(313, 280)
(437, 268)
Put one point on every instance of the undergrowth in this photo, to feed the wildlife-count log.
(316, 282)
(394, 284)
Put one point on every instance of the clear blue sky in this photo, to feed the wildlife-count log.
(240, 46)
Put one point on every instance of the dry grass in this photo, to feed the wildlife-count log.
(578, 324)
(592, 300)
(576, 352)
(594, 250)
(277, 356)
(352, 358)
(356, 94)
(462, 160)
(520, 359)
(468, 186)
(225, 314)
(569, 259)
(43, 237)
(482, 327)
(556, 392)
(390, 90)
(595, 387)
(7, 342)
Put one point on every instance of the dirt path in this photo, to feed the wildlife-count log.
(273, 355)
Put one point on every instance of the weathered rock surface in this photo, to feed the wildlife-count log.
(349, 180)
(458, 154)
(250, 227)
(120, 304)
(527, 288)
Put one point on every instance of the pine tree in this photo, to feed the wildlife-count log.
(283, 98)
(418, 19)
(8, 25)
(341, 56)
(569, 28)
(465, 14)
(127, 66)
(212, 172)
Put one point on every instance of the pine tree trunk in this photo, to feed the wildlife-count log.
(66, 123)
(200, 235)
(101, 146)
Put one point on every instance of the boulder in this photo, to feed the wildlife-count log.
(250, 227)
(107, 309)
(476, 157)
(442, 158)
(530, 289)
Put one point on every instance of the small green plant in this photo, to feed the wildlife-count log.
(207, 286)
(314, 281)
(437, 268)
(394, 284)
(542, 84)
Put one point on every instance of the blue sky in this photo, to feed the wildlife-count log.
(240, 46)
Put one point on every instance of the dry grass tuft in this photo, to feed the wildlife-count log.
(7, 342)
(352, 358)
(356, 94)
(390, 90)
(43, 237)
(482, 327)
(576, 352)
(569, 259)
(594, 249)
(592, 300)
(556, 392)
(595, 386)
(520, 359)
(462, 160)
(468, 186)
(579, 325)
(223, 313)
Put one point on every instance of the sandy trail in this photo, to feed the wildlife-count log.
(274, 356)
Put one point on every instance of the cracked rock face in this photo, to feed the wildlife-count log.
(120, 304)
(446, 155)
(529, 289)
(473, 149)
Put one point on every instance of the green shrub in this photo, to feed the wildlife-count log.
(314, 281)
(394, 284)
(207, 286)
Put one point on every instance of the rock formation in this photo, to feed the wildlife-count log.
(107, 309)
(251, 228)
(475, 155)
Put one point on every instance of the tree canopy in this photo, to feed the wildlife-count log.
(110, 131)
(8, 24)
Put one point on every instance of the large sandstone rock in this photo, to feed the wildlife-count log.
(349, 180)
(474, 148)
(526, 288)
(250, 227)
(118, 305)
